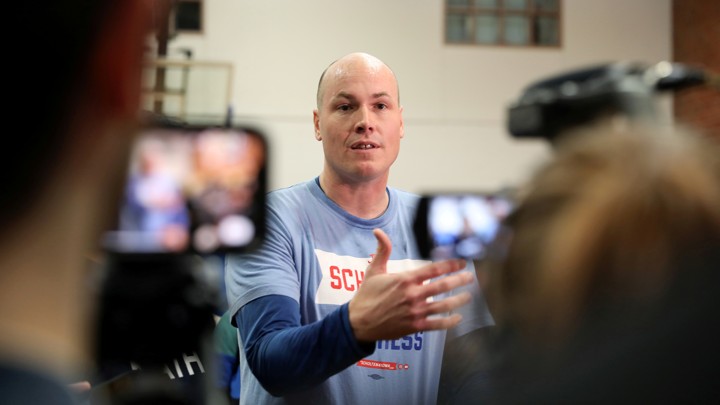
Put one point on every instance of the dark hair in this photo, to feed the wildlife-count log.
(50, 59)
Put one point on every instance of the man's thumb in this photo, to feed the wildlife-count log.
(382, 254)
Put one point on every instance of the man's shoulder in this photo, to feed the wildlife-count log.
(405, 194)
(295, 194)
(404, 198)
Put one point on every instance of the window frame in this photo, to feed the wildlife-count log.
(471, 11)
(201, 18)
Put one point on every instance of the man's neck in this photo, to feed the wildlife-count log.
(366, 199)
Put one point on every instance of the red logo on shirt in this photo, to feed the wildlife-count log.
(345, 279)
(382, 365)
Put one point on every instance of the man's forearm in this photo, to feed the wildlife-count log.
(285, 356)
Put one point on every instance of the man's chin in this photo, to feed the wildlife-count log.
(371, 174)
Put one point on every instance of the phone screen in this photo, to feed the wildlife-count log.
(192, 189)
(459, 225)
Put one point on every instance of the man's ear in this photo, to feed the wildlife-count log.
(402, 124)
(117, 62)
(316, 123)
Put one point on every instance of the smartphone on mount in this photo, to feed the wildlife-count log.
(460, 225)
(192, 189)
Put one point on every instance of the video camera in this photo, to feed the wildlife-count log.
(192, 193)
(550, 107)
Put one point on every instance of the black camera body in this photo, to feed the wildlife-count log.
(550, 107)
(192, 192)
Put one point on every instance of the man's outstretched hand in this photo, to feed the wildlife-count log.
(390, 306)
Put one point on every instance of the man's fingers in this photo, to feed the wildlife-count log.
(438, 323)
(446, 284)
(438, 269)
(448, 304)
(382, 254)
(384, 246)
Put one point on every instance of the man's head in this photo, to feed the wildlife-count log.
(80, 71)
(74, 96)
(358, 118)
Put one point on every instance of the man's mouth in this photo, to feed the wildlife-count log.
(363, 146)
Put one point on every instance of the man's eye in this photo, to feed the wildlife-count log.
(382, 106)
(344, 107)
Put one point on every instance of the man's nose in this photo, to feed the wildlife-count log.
(364, 121)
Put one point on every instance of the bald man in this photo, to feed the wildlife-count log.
(329, 310)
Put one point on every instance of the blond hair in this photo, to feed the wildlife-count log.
(611, 219)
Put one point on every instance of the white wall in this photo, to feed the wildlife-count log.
(454, 96)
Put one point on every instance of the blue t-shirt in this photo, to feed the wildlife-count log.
(316, 253)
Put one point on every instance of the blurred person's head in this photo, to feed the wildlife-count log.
(73, 77)
(614, 236)
(358, 119)
(73, 93)
(612, 216)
